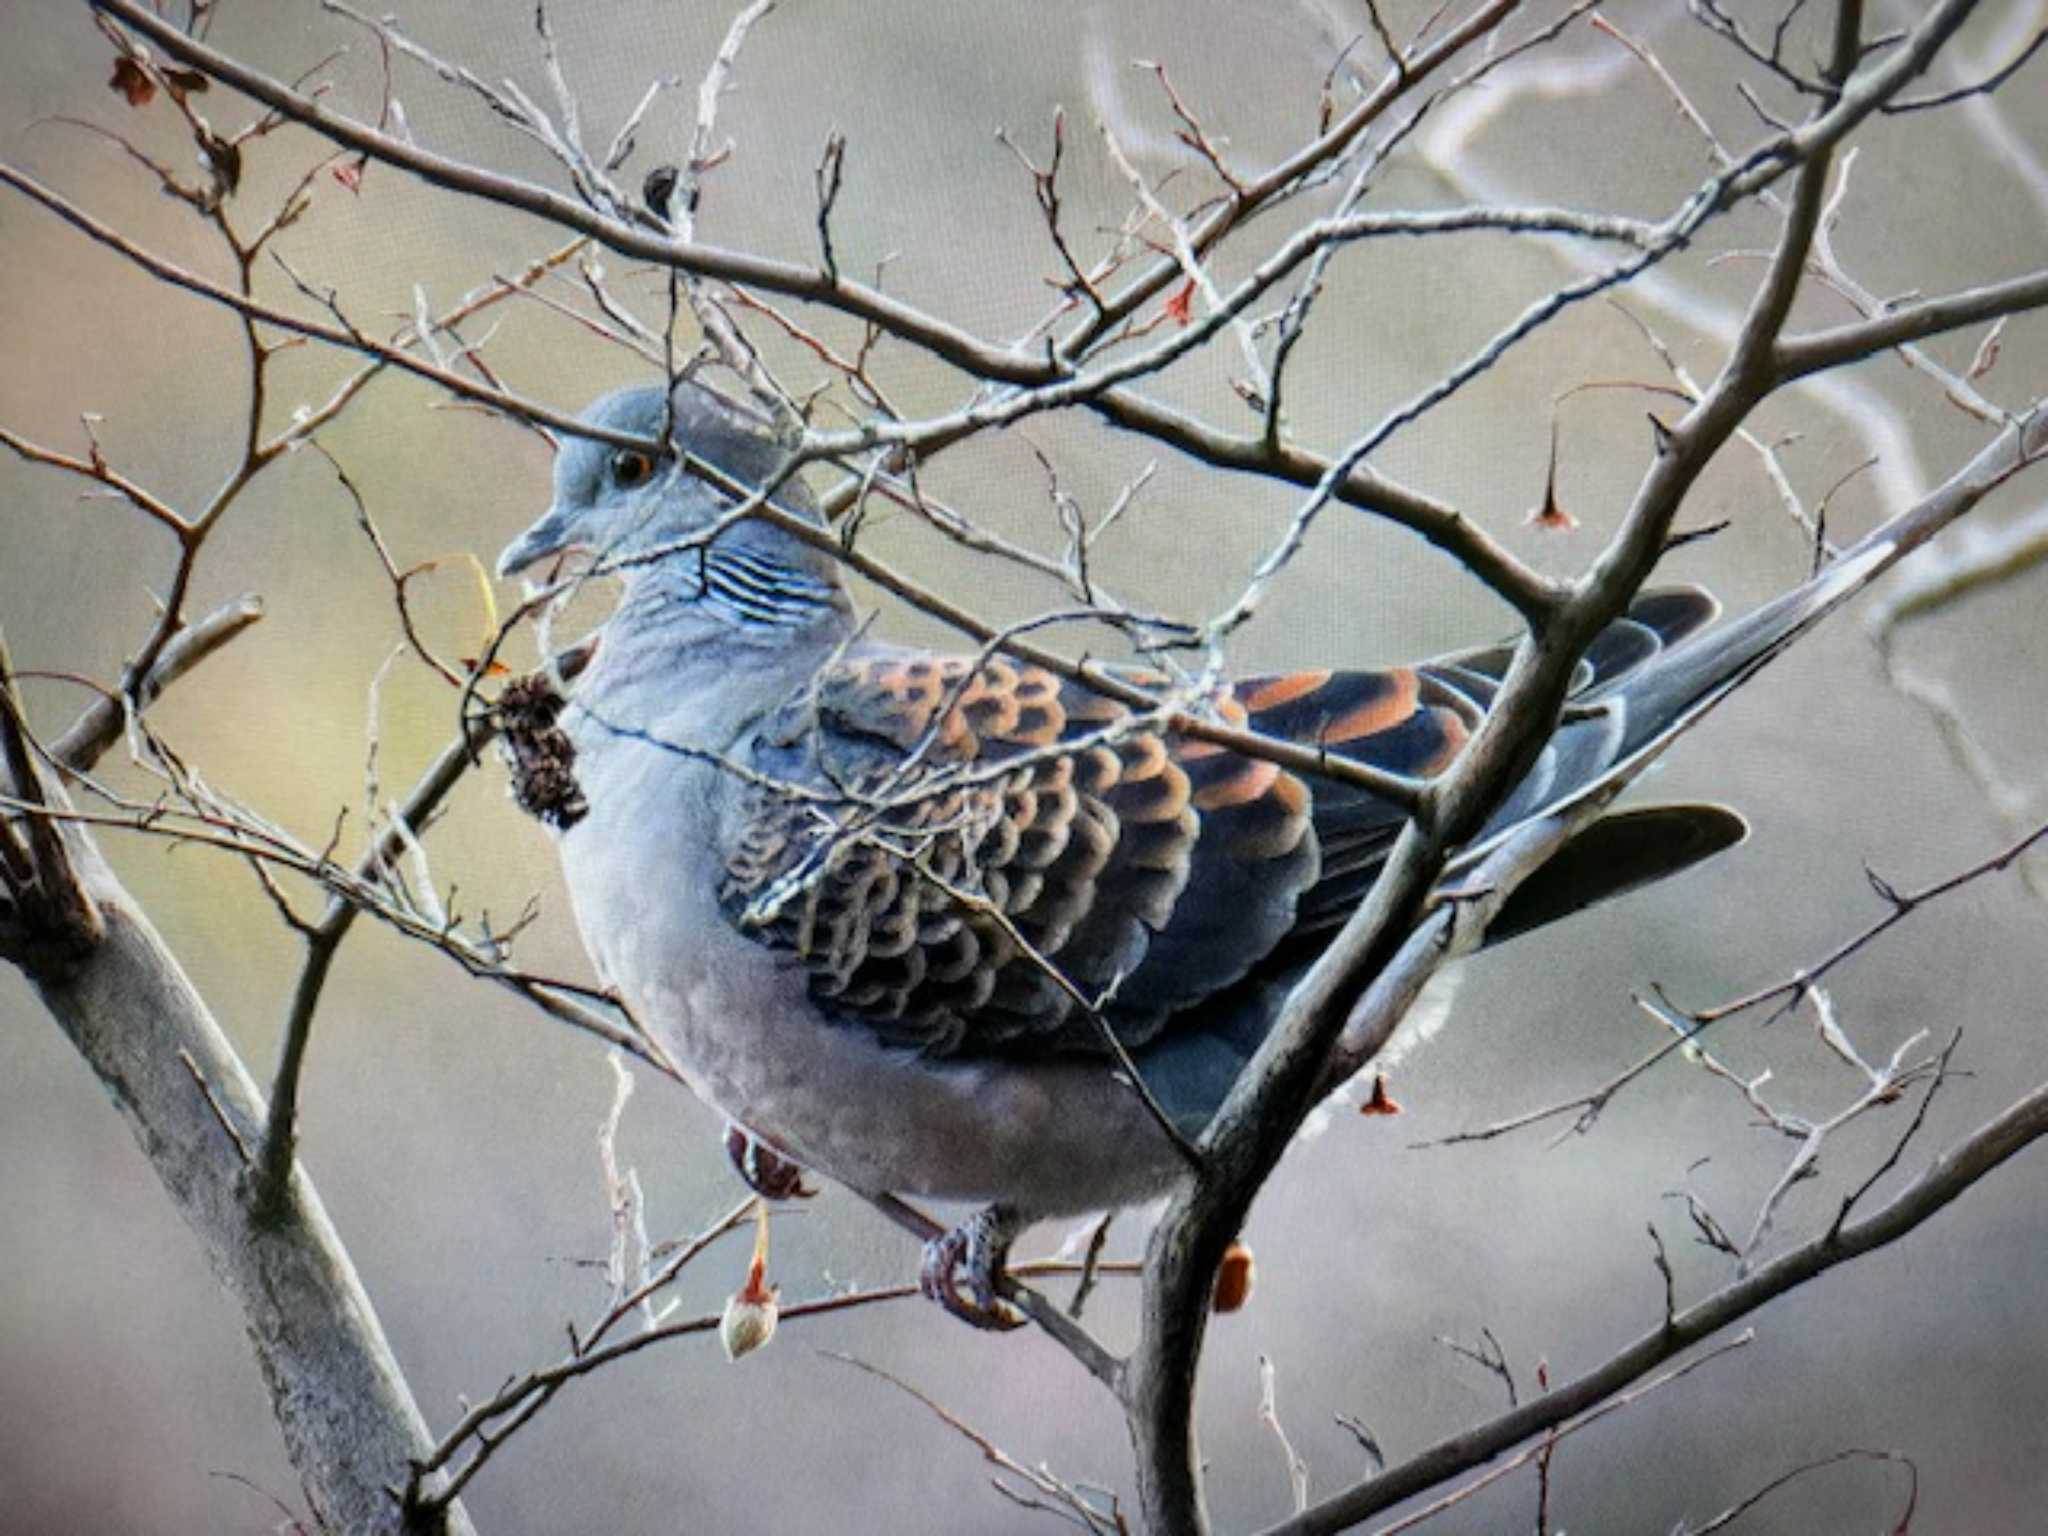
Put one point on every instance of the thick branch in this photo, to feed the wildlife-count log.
(1886, 545)
(349, 1421)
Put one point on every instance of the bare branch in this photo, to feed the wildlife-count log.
(1540, 1454)
(1983, 87)
(709, 261)
(1257, 1119)
(102, 723)
(1741, 1507)
(1068, 1500)
(1962, 1166)
(95, 467)
(351, 339)
(520, 1399)
(1269, 1415)
(1105, 342)
(348, 1419)
(1587, 1107)
(1813, 351)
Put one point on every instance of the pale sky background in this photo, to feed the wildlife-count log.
(451, 1131)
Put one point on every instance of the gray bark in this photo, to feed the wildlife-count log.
(350, 1423)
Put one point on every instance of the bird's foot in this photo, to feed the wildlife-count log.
(961, 1268)
(766, 1171)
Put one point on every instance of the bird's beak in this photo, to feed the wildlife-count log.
(554, 534)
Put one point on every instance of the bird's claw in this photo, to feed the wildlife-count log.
(962, 1268)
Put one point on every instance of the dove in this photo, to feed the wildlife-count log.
(886, 908)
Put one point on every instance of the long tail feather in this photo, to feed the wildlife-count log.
(1673, 689)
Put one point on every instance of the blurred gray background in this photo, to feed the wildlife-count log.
(451, 1131)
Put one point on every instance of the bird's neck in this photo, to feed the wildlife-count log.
(717, 631)
(765, 590)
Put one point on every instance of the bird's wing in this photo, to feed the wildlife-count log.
(1356, 828)
(985, 859)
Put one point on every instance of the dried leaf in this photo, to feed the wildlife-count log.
(132, 81)
(483, 588)
(350, 172)
(185, 82)
(468, 561)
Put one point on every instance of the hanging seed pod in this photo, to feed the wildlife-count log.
(1234, 1277)
(751, 1311)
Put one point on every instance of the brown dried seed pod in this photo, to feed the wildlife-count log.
(1234, 1277)
(538, 752)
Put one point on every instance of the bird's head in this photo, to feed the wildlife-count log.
(617, 503)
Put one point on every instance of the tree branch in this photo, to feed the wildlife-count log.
(1797, 356)
(1257, 1120)
(350, 338)
(1052, 380)
(1954, 1172)
(48, 898)
(956, 346)
(100, 726)
(348, 1418)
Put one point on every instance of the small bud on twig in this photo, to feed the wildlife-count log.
(1379, 1102)
(1551, 513)
(752, 1310)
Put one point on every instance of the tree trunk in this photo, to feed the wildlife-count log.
(350, 1424)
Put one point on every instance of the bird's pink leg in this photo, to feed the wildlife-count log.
(961, 1268)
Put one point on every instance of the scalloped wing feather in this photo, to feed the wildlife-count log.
(1004, 861)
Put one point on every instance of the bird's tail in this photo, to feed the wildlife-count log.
(1621, 723)
(1664, 697)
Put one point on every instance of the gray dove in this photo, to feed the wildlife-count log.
(882, 905)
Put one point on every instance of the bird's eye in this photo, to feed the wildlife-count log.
(631, 468)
